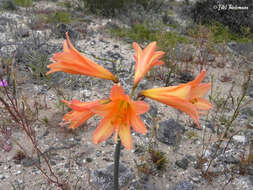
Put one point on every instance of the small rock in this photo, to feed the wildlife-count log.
(251, 124)
(211, 58)
(248, 111)
(2, 177)
(4, 21)
(231, 160)
(211, 126)
(92, 43)
(98, 153)
(146, 184)
(251, 180)
(109, 141)
(53, 163)
(23, 32)
(182, 163)
(250, 90)
(239, 139)
(184, 185)
(104, 177)
(108, 159)
(27, 162)
(191, 158)
(89, 159)
(244, 48)
(114, 55)
(250, 171)
(139, 149)
(17, 172)
(170, 132)
(185, 77)
(66, 165)
(2, 29)
(196, 177)
(153, 111)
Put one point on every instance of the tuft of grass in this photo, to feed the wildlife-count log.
(38, 65)
(192, 135)
(39, 22)
(59, 17)
(143, 33)
(23, 3)
(138, 33)
(158, 158)
(20, 155)
(220, 33)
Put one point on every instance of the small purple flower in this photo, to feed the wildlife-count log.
(7, 146)
(3, 83)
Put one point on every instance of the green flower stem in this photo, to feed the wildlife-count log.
(116, 165)
(117, 156)
(132, 92)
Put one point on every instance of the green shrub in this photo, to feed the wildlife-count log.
(110, 7)
(104, 7)
(59, 17)
(9, 5)
(221, 32)
(23, 3)
(205, 12)
(141, 33)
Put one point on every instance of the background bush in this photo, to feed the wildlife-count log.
(206, 12)
(111, 7)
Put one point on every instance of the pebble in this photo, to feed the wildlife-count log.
(251, 180)
(239, 139)
(98, 153)
(184, 185)
(17, 172)
(2, 177)
(182, 163)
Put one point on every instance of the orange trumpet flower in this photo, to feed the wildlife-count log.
(118, 112)
(198, 90)
(145, 60)
(73, 62)
(118, 115)
(185, 97)
(80, 112)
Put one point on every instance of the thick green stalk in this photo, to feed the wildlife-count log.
(116, 165)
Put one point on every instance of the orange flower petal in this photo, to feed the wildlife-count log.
(181, 104)
(104, 110)
(77, 118)
(73, 62)
(117, 92)
(202, 104)
(181, 91)
(145, 60)
(125, 136)
(200, 90)
(82, 106)
(103, 131)
(154, 59)
(138, 52)
(140, 107)
(124, 132)
(137, 123)
(198, 79)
